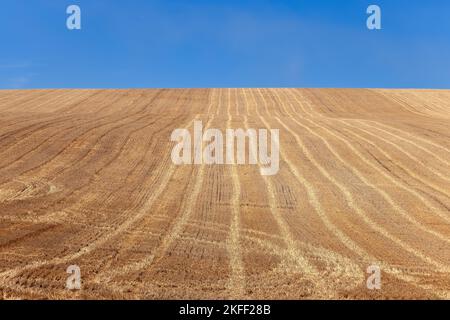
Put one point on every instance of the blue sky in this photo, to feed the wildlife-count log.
(206, 43)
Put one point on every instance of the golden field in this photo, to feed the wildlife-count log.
(86, 179)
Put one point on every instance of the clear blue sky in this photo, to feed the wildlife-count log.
(213, 43)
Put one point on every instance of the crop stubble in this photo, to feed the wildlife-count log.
(86, 178)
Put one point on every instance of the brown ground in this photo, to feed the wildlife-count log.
(86, 178)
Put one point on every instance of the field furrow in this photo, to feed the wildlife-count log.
(87, 178)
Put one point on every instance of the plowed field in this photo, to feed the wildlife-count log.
(86, 179)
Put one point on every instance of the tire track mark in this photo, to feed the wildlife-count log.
(236, 284)
(367, 259)
(397, 208)
(291, 253)
(352, 202)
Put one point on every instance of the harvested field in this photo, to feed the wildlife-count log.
(86, 179)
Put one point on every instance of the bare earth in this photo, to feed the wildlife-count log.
(86, 179)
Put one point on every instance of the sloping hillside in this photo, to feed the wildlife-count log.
(86, 179)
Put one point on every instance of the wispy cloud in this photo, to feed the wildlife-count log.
(15, 65)
(16, 74)
(19, 82)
